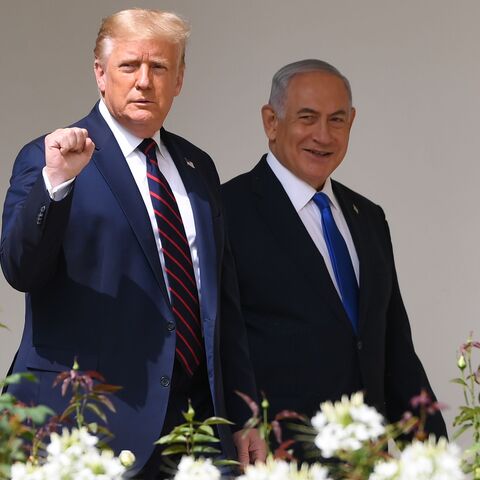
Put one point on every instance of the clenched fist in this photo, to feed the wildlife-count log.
(67, 152)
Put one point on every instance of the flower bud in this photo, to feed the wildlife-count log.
(265, 403)
(127, 458)
(75, 365)
(477, 473)
(461, 362)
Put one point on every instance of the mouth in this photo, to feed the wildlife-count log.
(141, 101)
(318, 153)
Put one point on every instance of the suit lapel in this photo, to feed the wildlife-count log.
(358, 226)
(290, 233)
(201, 203)
(111, 163)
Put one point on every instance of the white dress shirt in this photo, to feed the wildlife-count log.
(301, 195)
(136, 161)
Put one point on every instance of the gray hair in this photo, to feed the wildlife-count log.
(282, 78)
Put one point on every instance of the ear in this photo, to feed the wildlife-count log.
(100, 74)
(353, 112)
(270, 122)
(179, 80)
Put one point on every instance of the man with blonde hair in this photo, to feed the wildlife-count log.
(113, 228)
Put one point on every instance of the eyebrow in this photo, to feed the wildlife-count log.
(312, 111)
(307, 110)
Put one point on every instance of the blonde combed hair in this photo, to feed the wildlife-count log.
(140, 23)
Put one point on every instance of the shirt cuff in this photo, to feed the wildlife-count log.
(60, 191)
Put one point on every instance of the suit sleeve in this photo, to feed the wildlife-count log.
(237, 368)
(237, 371)
(32, 224)
(405, 376)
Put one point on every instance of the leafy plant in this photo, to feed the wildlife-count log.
(195, 438)
(17, 425)
(89, 393)
(469, 415)
(260, 420)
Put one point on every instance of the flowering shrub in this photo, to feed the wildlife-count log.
(430, 460)
(346, 425)
(190, 468)
(72, 456)
(281, 470)
(350, 435)
(468, 418)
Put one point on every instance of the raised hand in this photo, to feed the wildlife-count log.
(67, 152)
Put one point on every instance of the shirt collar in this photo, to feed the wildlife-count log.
(299, 192)
(126, 140)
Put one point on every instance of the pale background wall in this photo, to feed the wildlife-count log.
(415, 75)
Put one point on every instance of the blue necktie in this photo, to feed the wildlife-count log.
(340, 258)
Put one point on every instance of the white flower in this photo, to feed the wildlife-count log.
(127, 458)
(72, 456)
(385, 470)
(429, 460)
(281, 470)
(201, 469)
(346, 425)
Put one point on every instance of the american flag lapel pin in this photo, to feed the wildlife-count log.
(355, 209)
(189, 163)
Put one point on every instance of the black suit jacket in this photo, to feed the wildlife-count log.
(303, 347)
(95, 289)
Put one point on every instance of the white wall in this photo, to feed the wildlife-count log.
(415, 74)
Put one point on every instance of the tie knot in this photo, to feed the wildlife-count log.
(322, 200)
(147, 147)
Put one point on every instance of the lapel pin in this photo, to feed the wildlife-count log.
(355, 208)
(189, 163)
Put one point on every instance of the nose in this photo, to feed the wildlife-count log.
(322, 133)
(143, 77)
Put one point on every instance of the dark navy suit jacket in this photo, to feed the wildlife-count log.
(94, 286)
(303, 348)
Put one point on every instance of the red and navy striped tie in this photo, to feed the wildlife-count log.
(178, 263)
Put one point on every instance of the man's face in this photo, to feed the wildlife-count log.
(139, 81)
(311, 138)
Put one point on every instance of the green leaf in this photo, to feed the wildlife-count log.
(96, 410)
(68, 411)
(206, 429)
(217, 421)
(39, 413)
(170, 438)
(226, 463)
(461, 430)
(17, 378)
(202, 438)
(460, 381)
(475, 448)
(7, 399)
(204, 449)
(174, 449)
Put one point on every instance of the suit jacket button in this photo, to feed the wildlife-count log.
(170, 326)
(164, 381)
(43, 208)
(359, 345)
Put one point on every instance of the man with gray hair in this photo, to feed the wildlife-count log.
(318, 286)
(113, 228)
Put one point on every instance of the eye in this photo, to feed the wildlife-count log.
(337, 121)
(158, 67)
(307, 118)
(127, 67)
